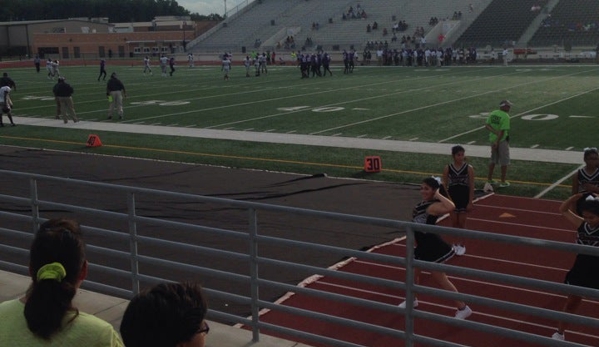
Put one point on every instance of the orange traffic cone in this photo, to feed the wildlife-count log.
(93, 141)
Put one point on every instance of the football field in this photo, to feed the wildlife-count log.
(554, 109)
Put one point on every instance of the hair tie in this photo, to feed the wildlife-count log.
(438, 179)
(53, 271)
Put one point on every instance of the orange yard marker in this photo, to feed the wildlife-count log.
(373, 164)
(93, 141)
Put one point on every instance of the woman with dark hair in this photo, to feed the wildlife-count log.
(586, 267)
(46, 316)
(431, 247)
(166, 315)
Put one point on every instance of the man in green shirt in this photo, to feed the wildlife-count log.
(498, 124)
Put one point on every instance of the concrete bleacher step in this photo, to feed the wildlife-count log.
(564, 14)
(111, 309)
(535, 24)
(501, 23)
(271, 21)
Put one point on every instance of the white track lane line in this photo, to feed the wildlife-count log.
(518, 209)
(521, 225)
(452, 309)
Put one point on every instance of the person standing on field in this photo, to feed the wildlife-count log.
(326, 62)
(498, 125)
(171, 63)
(263, 62)
(247, 62)
(163, 63)
(49, 69)
(115, 89)
(63, 93)
(5, 105)
(37, 62)
(102, 70)
(147, 66)
(226, 67)
(55, 69)
(6, 81)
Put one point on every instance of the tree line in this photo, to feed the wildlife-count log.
(117, 11)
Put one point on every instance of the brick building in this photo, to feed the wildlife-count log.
(82, 38)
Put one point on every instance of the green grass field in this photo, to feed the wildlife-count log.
(554, 109)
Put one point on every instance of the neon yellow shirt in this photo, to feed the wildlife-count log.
(499, 120)
(85, 330)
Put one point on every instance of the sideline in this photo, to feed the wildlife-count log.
(528, 154)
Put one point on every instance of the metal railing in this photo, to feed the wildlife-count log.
(133, 243)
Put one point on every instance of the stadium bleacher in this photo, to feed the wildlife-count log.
(502, 23)
(572, 22)
(271, 21)
(386, 13)
(264, 25)
(243, 30)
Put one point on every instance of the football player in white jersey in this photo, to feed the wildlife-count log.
(247, 62)
(163, 64)
(226, 67)
(55, 70)
(147, 66)
(49, 68)
(5, 105)
(262, 60)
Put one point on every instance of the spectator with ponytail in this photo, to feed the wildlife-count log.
(431, 247)
(46, 316)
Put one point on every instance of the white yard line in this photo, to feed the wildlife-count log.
(524, 113)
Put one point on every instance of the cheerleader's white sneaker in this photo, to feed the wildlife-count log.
(463, 313)
(459, 249)
(404, 304)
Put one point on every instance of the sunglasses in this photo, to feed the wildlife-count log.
(205, 330)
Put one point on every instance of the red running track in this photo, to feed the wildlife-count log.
(496, 213)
